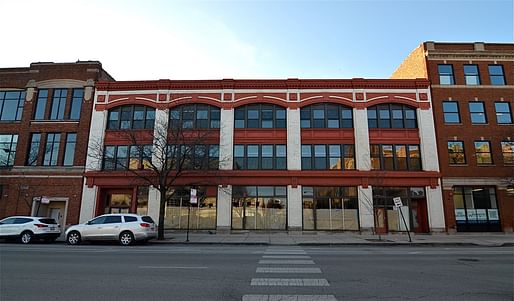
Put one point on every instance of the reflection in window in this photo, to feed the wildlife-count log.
(508, 152)
(392, 116)
(332, 156)
(131, 117)
(76, 104)
(483, 152)
(8, 143)
(35, 142)
(42, 98)
(53, 141)
(471, 75)
(395, 157)
(496, 75)
(451, 112)
(259, 207)
(266, 156)
(446, 75)
(503, 114)
(477, 111)
(69, 149)
(58, 104)
(11, 105)
(456, 152)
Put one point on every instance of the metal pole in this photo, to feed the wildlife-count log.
(188, 213)
(405, 223)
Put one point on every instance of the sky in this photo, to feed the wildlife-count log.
(171, 39)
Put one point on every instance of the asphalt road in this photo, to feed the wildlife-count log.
(253, 273)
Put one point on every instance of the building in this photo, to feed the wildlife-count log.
(45, 113)
(473, 97)
(278, 154)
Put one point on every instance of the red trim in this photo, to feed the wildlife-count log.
(394, 136)
(326, 97)
(117, 137)
(260, 136)
(253, 98)
(324, 136)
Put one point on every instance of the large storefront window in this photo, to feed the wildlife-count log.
(259, 207)
(388, 218)
(201, 216)
(330, 208)
(476, 209)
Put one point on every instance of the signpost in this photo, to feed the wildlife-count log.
(398, 204)
(192, 200)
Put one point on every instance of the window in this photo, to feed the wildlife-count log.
(508, 152)
(42, 97)
(33, 153)
(446, 75)
(199, 156)
(266, 156)
(503, 115)
(332, 156)
(259, 207)
(483, 152)
(456, 152)
(76, 104)
(131, 117)
(471, 75)
(11, 105)
(476, 208)
(8, 143)
(196, 116)
(260, 116)
(58, 104)
(326, 116)
(69, 149)
(451, 112)
(113, 219)
(129, 219)
(392, 116)
(496, 75)
(395, 157)
(53, 141)
(477, 111)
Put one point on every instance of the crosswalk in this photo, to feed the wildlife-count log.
(290, 262)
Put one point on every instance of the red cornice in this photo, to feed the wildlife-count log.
(357, 83)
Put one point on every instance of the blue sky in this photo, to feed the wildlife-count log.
(144, 40)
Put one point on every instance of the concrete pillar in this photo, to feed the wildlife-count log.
(360, 126)
(224, 208)
(96, 140)
(88, 203)
(294, 208)
(154, 198)
(366, 213)
(160, 137)
(226, 139)
(428, 146)
(435, 209)
(294, 140)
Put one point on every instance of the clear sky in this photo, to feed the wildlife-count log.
(145, 40)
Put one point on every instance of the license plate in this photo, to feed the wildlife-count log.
(52, 228)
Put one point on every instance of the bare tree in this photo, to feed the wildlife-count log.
(162, 158)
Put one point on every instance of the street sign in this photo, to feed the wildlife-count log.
(193, 199)
(45, 200)
(397, 202)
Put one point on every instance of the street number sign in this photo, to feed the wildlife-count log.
(397, 202)
(193, 199)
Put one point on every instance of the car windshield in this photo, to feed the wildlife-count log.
(48, 221)
(147, 219)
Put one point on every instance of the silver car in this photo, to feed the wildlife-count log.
(27, 228)
(124, 227)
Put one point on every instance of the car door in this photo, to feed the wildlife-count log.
(92, 230)
(7, 227)
(111, 227)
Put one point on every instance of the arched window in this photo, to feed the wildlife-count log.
(396, 116)
(326, 115)
(260, 116)
(131, 117)
(195, 116)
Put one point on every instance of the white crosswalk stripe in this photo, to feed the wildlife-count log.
(289, 298)
(289, 270)
(286, 257)
(288, 282)
(285, 261)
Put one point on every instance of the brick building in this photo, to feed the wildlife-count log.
(472, 88)
(45, 113)
(281, 154)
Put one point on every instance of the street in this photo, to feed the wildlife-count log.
(253, 272)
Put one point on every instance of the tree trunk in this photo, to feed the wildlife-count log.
(160, 227)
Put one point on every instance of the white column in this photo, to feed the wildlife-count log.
(154, 198)
(294, 208)
(160, 137)
(226, 139)
(366, 216)
(435, 209)
(429, 158)
(224, 207)
(88, 203)
(96, 140)
(361, 133)
(294, 140)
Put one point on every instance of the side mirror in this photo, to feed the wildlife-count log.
(88, 223)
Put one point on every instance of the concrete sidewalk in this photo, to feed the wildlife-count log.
(337, 238)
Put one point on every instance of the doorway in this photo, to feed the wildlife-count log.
(419, 215)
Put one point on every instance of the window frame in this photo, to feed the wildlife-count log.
(471, 74)
(445, 113)
(379, 122)
(213, 120)
(10, 146)
(447, 75)
(504, 152)
(477, 153)
(244, 120)
(322, 160)
(33, 150)
(508, 112)
(51, 150)
(461, 151)
(18, 103)
(278, 158)
(77, 95)
(130, 110)
(492, 76)
(389, 163)
(477, 114)
(69, 149)
(58, 105)
(308, 116)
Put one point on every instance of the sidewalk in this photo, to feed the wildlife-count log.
(335, 238)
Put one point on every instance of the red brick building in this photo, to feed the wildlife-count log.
(45, 114)
(472, 86)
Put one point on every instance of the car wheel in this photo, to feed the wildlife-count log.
(73, 238)
(126, 238)
(26, 237)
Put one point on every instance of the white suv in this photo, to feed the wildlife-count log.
(28, 228)
(125, 228)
